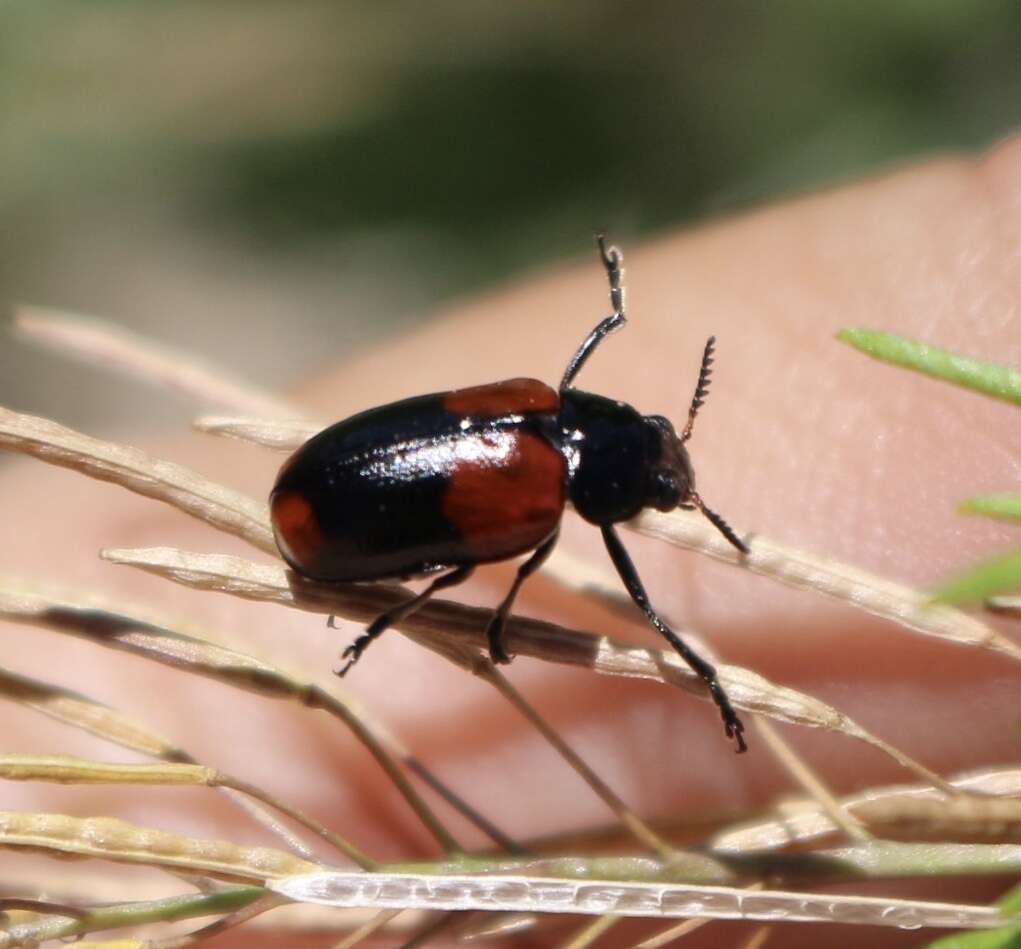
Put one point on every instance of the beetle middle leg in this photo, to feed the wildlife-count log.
(401, 611)
(626, 568)
(612, 259)
(494, 630)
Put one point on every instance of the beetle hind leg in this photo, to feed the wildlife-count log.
(399, 612)
(494, 631)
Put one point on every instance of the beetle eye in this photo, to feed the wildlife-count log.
(667, 492)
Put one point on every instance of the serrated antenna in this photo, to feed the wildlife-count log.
(701, 387)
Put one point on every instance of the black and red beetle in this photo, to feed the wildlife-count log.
(447, 481)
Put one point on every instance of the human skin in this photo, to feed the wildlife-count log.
(802, 440)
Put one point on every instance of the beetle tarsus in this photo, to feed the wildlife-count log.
(735, 730)
(497, 654)
(494, 630)
(353, 653)
(400, 612)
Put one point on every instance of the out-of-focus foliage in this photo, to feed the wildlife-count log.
(247, 161)
(1000, 574)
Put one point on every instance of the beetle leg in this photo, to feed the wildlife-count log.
(395, 614)
(626, 568)
(612, 259)
(494, 631)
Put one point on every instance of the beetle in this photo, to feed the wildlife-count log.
(441, 483)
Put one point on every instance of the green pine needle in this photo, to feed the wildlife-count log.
(1001, 382)
(1011, 903)
(1003, 507)
(997, 575)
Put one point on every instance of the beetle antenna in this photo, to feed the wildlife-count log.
(719, 523)
(701, 387)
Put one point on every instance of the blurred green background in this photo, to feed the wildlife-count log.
(309, 176)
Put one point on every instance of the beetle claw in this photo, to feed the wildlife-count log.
(353, 653)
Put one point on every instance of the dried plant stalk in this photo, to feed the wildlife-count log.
(590, 932)
(673, 933)
(107, 838)
(963, 820)
(455, 632)
(64, 769)
(622, 898)
(740, 684)
(805, 822)
(113, 347)
(85, 619)
(911, 609)
(279, 436)
(810, 781)
(464, 627)
(78, 710)
(369, 928)
(213, 503)
(642, 832)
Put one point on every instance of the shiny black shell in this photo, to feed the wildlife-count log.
(469, 476)
(456, 478)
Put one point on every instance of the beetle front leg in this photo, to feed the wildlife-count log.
(494, 631)
(612, 259)
(626, 568)
(397, 613)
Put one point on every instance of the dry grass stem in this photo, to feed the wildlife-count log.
(222, 507)
(489, 925)
(926, 805)
(962, 820)
(642, 832)
(109, 346)
(744, 692)
(758, 938)
(590, 932)
(84, 617)
(462, 628)
(374, 925)
(438, 924)
(672, 934)
(79, 711)
(278, 436)
(969, 834)
(123, 944)
(1009, 606)
(621, 898)
(477, 818)
(106, 838)
(909, 608)
(799, 769)
(63, 769)
(77, 883)
(589, 579)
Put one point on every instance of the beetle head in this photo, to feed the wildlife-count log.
(671, 479)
